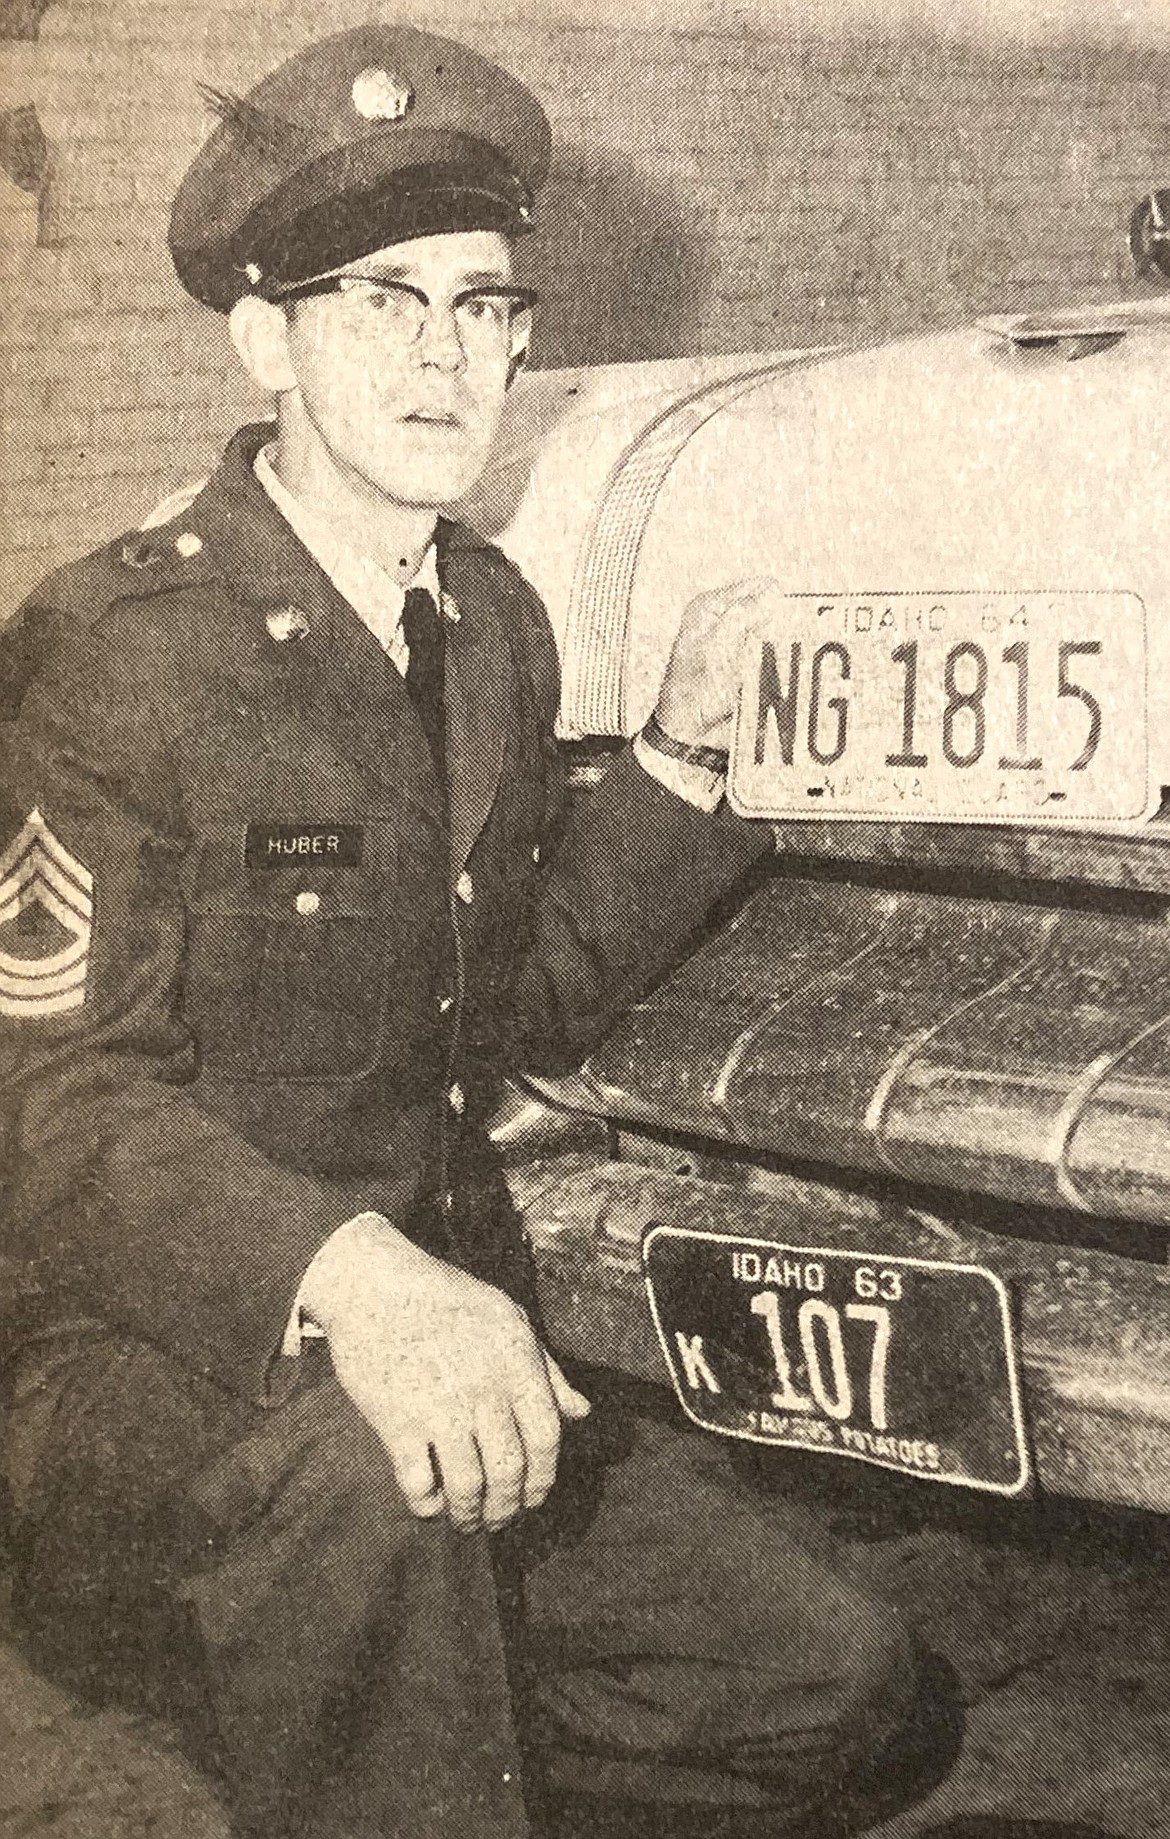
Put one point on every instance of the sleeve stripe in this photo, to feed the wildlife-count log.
(43, 884)
(37, 870)
(33, 1008)
(37, 842)
(31, 973)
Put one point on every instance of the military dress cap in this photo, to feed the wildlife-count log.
(365, 139)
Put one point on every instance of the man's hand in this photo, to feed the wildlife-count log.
(447, 1370)
(697, 698)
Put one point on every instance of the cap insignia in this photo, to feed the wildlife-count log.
(286, 623)
(378, 95)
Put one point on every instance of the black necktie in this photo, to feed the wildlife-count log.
(423, 631)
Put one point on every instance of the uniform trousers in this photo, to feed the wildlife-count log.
(655, 1635)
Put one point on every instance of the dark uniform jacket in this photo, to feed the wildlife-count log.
(304, 969)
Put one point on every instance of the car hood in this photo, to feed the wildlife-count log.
(969, 460)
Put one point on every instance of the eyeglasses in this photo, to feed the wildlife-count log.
(486, 318)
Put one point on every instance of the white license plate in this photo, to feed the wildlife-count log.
(990, 708)
(909, 1364)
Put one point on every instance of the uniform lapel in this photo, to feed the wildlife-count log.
(476, 689)
(317, 647)
(259, 556)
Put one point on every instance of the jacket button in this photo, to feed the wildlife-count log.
(465, 888)
(446, 1003)
(536, 853)
(457, 1100)
(308, 902)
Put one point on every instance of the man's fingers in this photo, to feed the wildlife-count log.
(751, 614)
(570, 1403)
(414, 1471)
(724, 600)
(461, 1473)
(748, 593)
(539, 1424)
(502, 1458)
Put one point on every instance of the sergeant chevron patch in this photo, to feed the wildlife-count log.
(38, 872)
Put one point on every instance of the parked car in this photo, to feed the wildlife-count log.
(881, 1171)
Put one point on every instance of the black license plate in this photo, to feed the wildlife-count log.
(907, 1363)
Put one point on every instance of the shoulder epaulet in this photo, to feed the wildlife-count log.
(76, 597)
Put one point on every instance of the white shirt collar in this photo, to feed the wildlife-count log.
(373, 594)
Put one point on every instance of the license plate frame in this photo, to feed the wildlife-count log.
(955, 706)
(726, 1371)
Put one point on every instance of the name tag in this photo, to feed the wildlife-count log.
(273, 846)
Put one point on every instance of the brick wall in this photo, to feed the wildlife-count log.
(717, 187)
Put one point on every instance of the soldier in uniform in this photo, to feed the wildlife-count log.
(288, 884)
